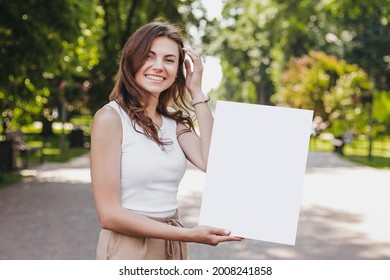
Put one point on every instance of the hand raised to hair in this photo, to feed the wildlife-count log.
(193, 77)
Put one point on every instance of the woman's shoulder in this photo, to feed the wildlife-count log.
(106, 128)
(106, 116)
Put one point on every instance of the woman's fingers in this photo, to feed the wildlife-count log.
(187, 65)
(193, 76)
(227, 239)
(195, 57)
(214, 236)
(222, 235)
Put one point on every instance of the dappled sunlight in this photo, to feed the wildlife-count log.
(281, 253)
(322, 234)
(344, 214)
(364, 193)
(73, 172)
(61, 175)
(47, 221)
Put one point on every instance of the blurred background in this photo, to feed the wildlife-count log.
(58, 60)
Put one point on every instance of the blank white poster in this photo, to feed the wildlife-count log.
(255, 174)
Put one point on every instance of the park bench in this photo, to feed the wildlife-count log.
(17, 138)
(340, 141)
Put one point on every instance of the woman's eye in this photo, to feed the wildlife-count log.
(170, 60)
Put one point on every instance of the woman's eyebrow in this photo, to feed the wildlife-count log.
(167, 55)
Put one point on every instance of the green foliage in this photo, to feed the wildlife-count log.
(332, 87)
(357, 151)
(58, 58)
(42, 43)
(381, 112)
(255, 40)
(375, 161)
(64, 53)
(242, 41)
(362, 31)
(55, 154)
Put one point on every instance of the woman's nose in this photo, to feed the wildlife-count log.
(158, 64)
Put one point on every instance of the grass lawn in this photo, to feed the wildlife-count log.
(357, 151)
(55, 154)
(49, 147)
(9, 178)
(376, 162)
(51, 153)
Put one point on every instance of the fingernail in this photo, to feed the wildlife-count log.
(227, 232)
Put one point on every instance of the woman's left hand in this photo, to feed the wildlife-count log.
(193, 77)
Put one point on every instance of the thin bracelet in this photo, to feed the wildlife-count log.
(182, 132)
(200, 99)
(199, 103)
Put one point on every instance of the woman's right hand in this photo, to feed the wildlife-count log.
(211, 236)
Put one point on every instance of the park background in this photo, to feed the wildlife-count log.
(58, 60)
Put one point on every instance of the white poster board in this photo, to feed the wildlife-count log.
(255, 173)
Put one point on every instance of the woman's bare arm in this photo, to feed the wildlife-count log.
(105, 173)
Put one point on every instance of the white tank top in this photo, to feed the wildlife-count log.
(150, 176)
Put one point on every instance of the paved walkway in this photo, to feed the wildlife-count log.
(345, 214)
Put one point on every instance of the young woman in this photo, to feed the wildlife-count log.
(140, 143)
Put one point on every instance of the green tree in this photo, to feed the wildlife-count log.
(362, 30)
(330, 86)
(255, 39)
(381, 113)
(242, 40)
(36, 37)
(64, 54)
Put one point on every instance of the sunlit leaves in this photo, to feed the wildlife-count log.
(329, 86)
(41, 43)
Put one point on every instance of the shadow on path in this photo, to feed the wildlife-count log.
(47, 221)
(52, 216)
(321, 235)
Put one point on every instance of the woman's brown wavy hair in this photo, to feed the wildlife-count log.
(134, 99)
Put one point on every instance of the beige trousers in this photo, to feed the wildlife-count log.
(117, 246)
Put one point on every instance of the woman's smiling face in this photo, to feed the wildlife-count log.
(160, 69)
